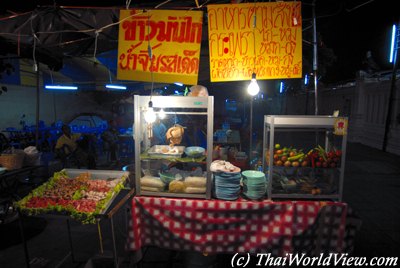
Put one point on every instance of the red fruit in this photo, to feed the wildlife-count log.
(336, 159)
(321, 159)
(332, 165)
(325, 164)
(338, 153)
(318, 164)
(331, 154)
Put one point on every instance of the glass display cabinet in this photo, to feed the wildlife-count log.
(173, 154)
(304, 156)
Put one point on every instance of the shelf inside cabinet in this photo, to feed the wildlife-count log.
(185, 159)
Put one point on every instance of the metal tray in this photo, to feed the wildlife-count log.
(156, 151)
(121, 176)
(101, 175)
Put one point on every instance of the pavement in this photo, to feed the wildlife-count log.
(371, 188)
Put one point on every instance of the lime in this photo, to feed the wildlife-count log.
(277, 146)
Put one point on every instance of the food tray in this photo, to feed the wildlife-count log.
(101, 175)
(157, 151)
(74, 206)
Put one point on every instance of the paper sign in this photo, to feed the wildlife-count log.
(264, 38)
(340, 126)
(174, 37)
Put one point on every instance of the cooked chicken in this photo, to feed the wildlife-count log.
(174, 135)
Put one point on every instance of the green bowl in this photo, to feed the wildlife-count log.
(194, 151)
(253, 174)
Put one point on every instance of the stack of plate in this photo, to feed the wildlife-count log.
(226, 185)
(254, 184)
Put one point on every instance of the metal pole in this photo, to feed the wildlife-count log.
(70, 241)
(306, 108)
(114, 243)
(251, 129)
(315, 57)
(37, 104)
(391, 98)
(22, 232)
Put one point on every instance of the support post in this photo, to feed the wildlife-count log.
(37, 104)
(315, 57)
(390, 102)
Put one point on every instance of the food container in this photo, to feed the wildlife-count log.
(164, 151)
(194, 151)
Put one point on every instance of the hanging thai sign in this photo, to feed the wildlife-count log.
(159, 45)
(264, 38)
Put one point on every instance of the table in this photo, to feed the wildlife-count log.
(118, 202)
(217, 226)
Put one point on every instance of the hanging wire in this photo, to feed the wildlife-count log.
(35, 39)
(89, 30)
(128, 3)
(15, 15)
(199, 6)
(109, 75)
(95, 44)
(254, 37)
(51, 76)
(163, 3)
(150, 52)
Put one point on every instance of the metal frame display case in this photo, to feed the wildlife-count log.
(195, 110)
(306, 136)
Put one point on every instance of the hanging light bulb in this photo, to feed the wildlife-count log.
(253, 87)
(150, 115)
(161, 114)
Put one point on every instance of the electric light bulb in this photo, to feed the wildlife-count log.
(253, 87)
(150, 115)
(161, 114)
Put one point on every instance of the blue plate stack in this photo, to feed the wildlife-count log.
(254, 184)
(226, 185)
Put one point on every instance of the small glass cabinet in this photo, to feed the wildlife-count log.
(173, 154)
(304, 156)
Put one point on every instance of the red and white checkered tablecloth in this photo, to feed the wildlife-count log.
(217, 226)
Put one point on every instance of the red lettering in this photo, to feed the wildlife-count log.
(176, 29)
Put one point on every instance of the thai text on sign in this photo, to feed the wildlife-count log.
(269, 45)
(174, 38)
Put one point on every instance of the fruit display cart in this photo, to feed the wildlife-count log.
(304, 156)
(175, 165)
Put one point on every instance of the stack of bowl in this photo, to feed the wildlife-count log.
(254, 184)
(226, 185)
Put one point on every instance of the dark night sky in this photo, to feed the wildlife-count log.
(351, 28)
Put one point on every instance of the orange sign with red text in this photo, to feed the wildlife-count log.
(264, 38)
(159, 45)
